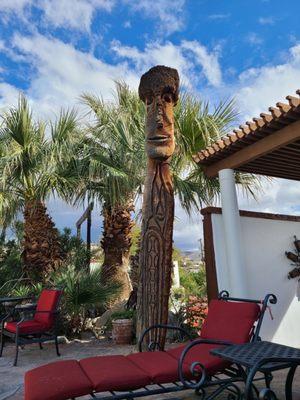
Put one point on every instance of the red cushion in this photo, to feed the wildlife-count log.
(56, 381)
(26, 327)
(201, 353)
(230, 321)
(114, 373)
(159, 365)
(48, 301)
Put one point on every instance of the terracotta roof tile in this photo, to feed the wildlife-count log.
(281, 115)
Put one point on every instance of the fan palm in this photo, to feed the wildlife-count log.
(115, 177)
(117, 164)
(32, 166)
(82, 292)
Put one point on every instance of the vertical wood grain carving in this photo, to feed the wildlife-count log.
(159, 90)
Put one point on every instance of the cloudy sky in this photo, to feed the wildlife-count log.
(53, 50)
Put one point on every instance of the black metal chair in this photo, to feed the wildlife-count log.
(42, 327)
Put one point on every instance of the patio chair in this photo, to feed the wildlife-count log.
(229, 320)
(42, 327)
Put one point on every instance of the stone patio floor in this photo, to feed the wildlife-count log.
(11, 378)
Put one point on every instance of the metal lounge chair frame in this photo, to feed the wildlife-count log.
(22, 339)
(225, 380)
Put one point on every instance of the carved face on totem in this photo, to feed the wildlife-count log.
(159, 88)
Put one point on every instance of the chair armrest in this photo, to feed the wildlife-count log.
(3, 320)
(196, 365)
(25, 307)
(47, 312)
(153, 345)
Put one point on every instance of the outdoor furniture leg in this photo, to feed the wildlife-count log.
(17, 350)
(1, 343)
(268, 379)
(289, 383)
(56, 346)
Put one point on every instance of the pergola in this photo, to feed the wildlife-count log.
(269, 145)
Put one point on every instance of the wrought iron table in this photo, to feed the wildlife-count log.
(264, 357)
(10, 303)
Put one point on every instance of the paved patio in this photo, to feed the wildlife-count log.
(11, 378)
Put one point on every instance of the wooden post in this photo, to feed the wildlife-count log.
(159, 91)
(87, 215)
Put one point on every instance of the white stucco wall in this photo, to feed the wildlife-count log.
(264, 244)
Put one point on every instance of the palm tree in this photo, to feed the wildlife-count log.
(32, 166)
(117, 165)
(115, 177)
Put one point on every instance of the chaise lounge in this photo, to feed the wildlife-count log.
(229, 321)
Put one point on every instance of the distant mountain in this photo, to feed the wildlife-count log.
(194, 256)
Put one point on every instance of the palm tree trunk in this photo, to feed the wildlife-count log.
(41, 247)
(116, 243)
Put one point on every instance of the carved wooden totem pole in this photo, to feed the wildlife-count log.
(158, 89)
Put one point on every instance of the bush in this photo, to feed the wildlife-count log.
(196, 312)
(194, 283)
(83, 293)
(74, 250)
(11, 274)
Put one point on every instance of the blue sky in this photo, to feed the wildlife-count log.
(53, 50)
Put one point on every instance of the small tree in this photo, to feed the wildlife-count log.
(32, 167)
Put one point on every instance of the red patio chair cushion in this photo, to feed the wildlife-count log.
(26, 327)
(57, 381)
(159, 365)
(114, 373)
(201, 353)
(230, 321)
(47, 302)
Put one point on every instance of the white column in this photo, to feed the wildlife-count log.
(232, 230)
(176, 276)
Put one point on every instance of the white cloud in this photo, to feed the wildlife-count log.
(14, 6)
(185, 57)
(208, 61)
(8, 95)
(254, 39)
(127, 24)
(169, 13)
(73, 14)
(62, 73)
(260, 88)
(58, 13)
(218, 17)
(266, 20)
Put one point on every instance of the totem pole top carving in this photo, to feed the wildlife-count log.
(159, 90)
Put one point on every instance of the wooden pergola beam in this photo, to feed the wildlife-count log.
(266, 145)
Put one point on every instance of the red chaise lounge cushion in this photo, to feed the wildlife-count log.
(57, 381)
(230, 321)
(160, 366)
(113, 373)
(201, 353)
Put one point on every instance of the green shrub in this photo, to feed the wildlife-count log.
(74, 250)
(11, 274)
(83, 292)
(126, 314)
(194, 283)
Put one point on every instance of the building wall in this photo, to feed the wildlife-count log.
(264, 244)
